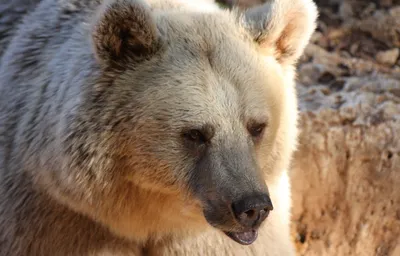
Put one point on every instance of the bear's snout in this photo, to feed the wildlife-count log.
(233, 191)
(246, 216)
(251, 211)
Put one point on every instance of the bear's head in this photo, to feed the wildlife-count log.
(187, 117)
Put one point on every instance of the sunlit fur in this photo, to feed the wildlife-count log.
(91, 157)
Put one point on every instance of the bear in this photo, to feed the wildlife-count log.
(159, 127)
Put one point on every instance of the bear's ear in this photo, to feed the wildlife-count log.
(124, 29)
(282, 28)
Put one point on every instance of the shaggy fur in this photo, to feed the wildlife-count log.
(96, 98)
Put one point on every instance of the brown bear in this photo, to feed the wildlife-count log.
(159, 127)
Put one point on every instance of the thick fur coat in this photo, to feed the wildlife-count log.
(129, 127)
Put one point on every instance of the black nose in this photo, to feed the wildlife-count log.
(251, 211)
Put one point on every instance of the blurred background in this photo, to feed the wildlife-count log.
(346, 172)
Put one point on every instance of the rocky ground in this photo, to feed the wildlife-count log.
(346, 172)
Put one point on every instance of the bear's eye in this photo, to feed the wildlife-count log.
(195, 136)
(256, 130)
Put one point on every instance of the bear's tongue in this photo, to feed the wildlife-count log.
(244, 238)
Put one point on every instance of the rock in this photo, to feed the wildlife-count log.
(346, 170)
(383, 26)
(316, 37)
(346, 10)
(386, 3)
(388, 57)
(311, 72)
(343, 66)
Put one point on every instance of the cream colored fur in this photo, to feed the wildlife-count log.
(91, 155)
(289, 27)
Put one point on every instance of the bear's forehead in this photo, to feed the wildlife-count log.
(216, 39)
(210, 63)
(227, 54)
(201, 29)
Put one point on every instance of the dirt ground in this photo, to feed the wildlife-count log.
(346, 197)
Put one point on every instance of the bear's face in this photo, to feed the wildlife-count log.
(202, 98)
(198, 99)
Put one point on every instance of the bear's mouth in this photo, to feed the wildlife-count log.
(243, 238)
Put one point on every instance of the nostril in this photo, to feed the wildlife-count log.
(250, 215)
(252, 211)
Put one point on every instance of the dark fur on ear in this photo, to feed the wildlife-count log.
(282, 28)
(124, 29)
